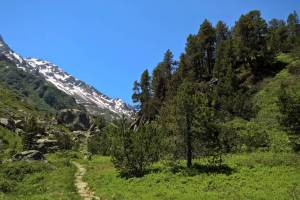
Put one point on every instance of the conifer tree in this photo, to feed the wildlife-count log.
(250, 34)
(293, 27)
(147, 110)
(277, 36)
(207, 39)
(222, 33)
(161, 79)
(136, 94)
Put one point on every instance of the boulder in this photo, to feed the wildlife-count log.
(46, 145)
(19, 132)
(74, 119)
(28, 155)
(19, 123)
(8, 123)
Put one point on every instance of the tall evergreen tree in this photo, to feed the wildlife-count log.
(250, 34)
(222, 33)
(147, 109)
(277, 36)
(136, 94)
(161, 79)
(207, 40)
(293, 28)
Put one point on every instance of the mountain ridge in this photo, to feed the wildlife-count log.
(92, 99)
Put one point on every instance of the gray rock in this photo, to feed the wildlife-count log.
(19, 131)
(74, 119)
(19, 123)
(28, 155)
(8, 123)
(46, 145)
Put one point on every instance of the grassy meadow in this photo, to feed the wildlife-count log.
(260, 175)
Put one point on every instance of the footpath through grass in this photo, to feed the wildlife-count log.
(39, 180)
(245, 176)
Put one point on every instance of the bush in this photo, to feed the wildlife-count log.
(7, 186)
(289, 107)
(279, 141)
(18, 170)
(294, 68)
(99, 143)
(251, 135)
(133, 151)
(64, 140)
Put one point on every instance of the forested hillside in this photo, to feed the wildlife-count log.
(234, 89)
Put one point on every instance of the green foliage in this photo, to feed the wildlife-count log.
(31, 128)
(250, 40)
(289, 107)
(251, 135)
(10, 143)
(38, 180)
(133, 151)
(277, 36)
(99, 142)
(254, 176)
(293, 26)
(294, 68)
(34, 89)
(161, 79)
(194, 127)
(64, 140)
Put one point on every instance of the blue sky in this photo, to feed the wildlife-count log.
(108, 43)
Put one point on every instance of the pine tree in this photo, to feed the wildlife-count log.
(133, 151)
(31, 129)
(222, 33)
(277, 36)
(207, 40)
(250, 36)
(147, 110)
(182, 114)
(293, 27)
(136, 94)
(161, 79)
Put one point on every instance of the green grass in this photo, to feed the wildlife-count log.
(39, 180)
(253, 176)
(12, 103)
(265, 100)
(11, 143)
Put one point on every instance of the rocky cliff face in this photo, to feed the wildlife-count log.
(94, 101)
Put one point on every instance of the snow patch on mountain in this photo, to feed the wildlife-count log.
(93, 100)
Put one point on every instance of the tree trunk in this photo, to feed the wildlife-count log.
(189, 144)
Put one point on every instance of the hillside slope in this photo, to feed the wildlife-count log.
(32, 90)
(264, 128)
(89, 97)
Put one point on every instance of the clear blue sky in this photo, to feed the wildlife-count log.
(108, 43)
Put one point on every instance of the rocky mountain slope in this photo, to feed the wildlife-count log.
(94, 101)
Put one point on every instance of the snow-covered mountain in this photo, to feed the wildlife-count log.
(94, 101)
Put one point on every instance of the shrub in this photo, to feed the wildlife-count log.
(7, 186)
(18, 170)
(133, 151)
(99, 143)
(64, 140)
(294, 68)
(289, 107)
(250, 134)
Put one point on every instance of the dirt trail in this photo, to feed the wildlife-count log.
(82, 187)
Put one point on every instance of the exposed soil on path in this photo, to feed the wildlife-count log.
(82, 187)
